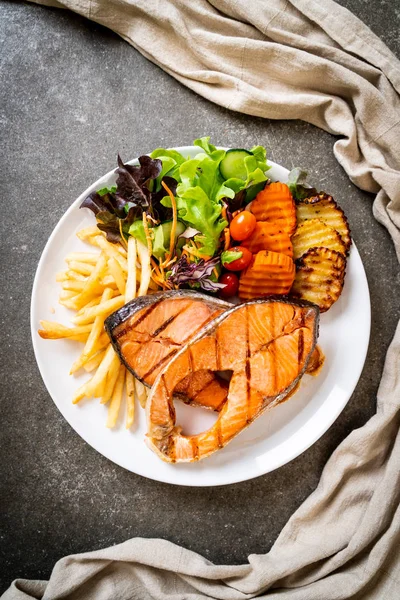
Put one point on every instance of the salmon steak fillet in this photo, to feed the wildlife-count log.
(147, 332)
(267, 344)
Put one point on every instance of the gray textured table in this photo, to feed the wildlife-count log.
(73, 95)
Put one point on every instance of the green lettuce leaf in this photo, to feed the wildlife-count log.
(229, 256)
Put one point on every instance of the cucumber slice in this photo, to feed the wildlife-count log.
(233, 164)
(162, 237)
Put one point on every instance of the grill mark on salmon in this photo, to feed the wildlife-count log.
(120, 332)
(163, 326)
(300, 346)
(265, 373)
(160, 363)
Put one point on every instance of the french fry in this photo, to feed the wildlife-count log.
(118, 275)
(141, 393)
(80, 393)
(92, 283)
(94, 362)
(144, 258)
(74, 276)
(75, 286)
(93, 302)
(80, 267)
(108, 280)
(56, 331)
(130, 290)
(96, 331)
(86, 257)
(110, 251)
(62, 276)
(88, 232)
(112, 377)
(130, 397)
(67, 294)
(101, 309)
(116, 399)
(101, 372)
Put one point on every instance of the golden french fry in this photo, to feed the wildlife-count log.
(75, 286)
(80, 267)
(122, 250)
(105, 308)
(67, 294)
(75, 276)
(130, 396)
(87, 232)
(85, 257)
(94, 362)
(112, 377)
(101, 372)
(144, 257)
(141, 393)
(92, 283)
(111, 251)
(130, 291)
(62, 276)
(93, 302)
(118, 274)
(95, 333)
(55, 331)
(80, 393)
(69, 302)
(115, 403)
(108, 280)
(78, 338)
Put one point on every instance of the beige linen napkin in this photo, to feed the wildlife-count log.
(298, 59)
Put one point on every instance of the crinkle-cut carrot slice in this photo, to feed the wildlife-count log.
(275, 204)
(267, 236)
(269, 273)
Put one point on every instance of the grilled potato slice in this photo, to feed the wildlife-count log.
(320, 277)
(324, 207)
(313, 233)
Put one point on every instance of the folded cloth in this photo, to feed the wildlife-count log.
(280, 59)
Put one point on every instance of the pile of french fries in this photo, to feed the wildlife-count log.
(95, 284)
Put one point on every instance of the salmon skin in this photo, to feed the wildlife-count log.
(148, 331)
(266, 343)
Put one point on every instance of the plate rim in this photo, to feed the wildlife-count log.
(164, 479)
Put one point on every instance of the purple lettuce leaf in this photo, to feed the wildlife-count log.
(184, 273)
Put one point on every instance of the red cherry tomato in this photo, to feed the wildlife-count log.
(231, 282)
(242, 226)
(240, 263)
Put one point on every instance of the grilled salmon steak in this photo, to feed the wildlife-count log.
(266, 343)
(148, 331)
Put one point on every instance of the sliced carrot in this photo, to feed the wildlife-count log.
(269, 273)
(275, 204)
(268, 236)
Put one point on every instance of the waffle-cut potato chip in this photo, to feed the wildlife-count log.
(324, 207)
(313, 233)
(320, 277)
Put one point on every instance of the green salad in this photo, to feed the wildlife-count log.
(180, 208)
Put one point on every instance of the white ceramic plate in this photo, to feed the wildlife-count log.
(272, 440)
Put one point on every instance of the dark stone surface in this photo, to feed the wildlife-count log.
(73, 95)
